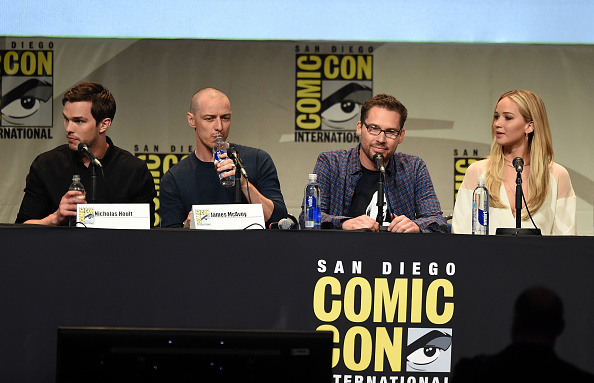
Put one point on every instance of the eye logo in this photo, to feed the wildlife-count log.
(429, 350)
(86, 215)
(341, 109)
(25, 103)
(203, 217)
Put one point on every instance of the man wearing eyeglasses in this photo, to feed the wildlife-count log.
(349, 179)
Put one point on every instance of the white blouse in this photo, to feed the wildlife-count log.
(556, 216)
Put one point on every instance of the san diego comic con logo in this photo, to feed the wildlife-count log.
(392, 324)
(461, 164)
(86, 215)
(26, 87)
(330, 89)
(158, 164)
(203, 217)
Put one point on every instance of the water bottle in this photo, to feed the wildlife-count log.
(76, 185)
(220, 147)
(311, 203)
(480, 209)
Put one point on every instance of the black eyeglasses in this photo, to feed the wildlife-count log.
(375, 130)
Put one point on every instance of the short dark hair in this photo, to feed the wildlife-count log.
(103, 104)
(385, 101)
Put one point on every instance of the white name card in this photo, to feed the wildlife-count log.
(114, 215)
(227, 217)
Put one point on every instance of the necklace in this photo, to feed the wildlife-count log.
(510, 188)
(511, 197)
(511, 192)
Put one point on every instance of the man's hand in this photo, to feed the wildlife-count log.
(68, 204)
(67, 208)
(360, 222)
(402, 224)
(226, 166)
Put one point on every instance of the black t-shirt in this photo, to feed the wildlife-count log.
(365, 197)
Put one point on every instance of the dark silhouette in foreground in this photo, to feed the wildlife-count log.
(537, 322)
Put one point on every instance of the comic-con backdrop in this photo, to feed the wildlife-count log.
(295, 100)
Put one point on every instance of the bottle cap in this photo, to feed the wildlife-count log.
(481, 181)
(313, 177)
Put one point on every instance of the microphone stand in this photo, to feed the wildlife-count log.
(518, 231)
(237, 182)
(93, 183)
(519, 192)
(380, 203)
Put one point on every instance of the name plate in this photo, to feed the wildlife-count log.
(227, 217)
(113, 215)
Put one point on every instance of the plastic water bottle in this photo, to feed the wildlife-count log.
(220, 147)
(480, 209)
(76, 185)
(311, 203)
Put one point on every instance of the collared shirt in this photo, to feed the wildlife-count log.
(408, 188)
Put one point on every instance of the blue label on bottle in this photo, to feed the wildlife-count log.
(483, 217)
(312, 211)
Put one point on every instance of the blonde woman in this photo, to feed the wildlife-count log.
(520, 129)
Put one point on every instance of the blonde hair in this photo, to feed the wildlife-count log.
(540, 146)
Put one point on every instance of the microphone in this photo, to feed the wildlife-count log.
(518, 163)
(84, 149)
(379, 162)
(288, 223)
(232, 153)
(285, 224)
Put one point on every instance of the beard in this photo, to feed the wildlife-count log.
(369, 153)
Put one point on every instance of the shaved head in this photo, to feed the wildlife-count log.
(204, 92)
(210, 117)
